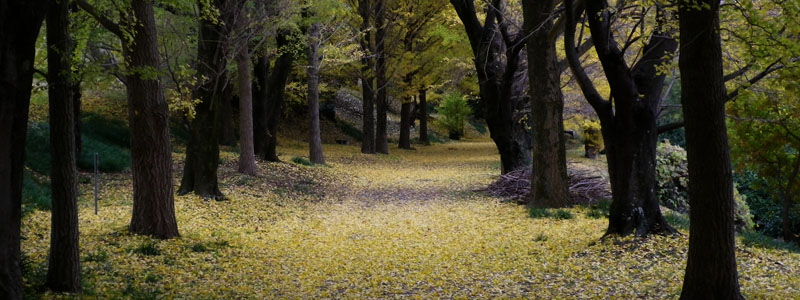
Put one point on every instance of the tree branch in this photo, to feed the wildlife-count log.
(771, 68)
(670, 127)
(103, 20)
(587, 87)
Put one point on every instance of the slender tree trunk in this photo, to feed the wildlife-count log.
(711, 266)
(549, 186)
(247, 157)
(367, 80)
(315, 137)
(381, 135)
(64, 271)
(260, 79)
(276, 94)
(76, 117)
(406, 119)
(423, 117)
(202, 152)
(20, 21)
(153, 206)
(227, 134)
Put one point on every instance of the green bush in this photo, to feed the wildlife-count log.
(453, 111)
(672, 185)
(109, 131)
(766, 210)
(35, 194)
(302, 161)
(113, 157)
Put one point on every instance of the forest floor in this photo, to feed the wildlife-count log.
(405, 225)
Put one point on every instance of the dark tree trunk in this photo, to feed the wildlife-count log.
(711, 266)
(247, 157)
(260, 79)
(423, 117)
(381, 135)
(629, 129)
(76, 116)
(227, 134)
(20, 21)
(367, 80)
(496, 80)
(315, 136)
(202, 152)
(786, 222)
(406, 119)
(64, 271)
(549, 185)
(153, 204)
(275, 98)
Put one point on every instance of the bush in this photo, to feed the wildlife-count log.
(766, 210)
(109, 131)
(672, 185)
(453, 111)
(113, 157)
(592, 138)
(35, 194)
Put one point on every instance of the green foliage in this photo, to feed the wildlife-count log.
(765, 209)
(108, 130)
(147, 248)
(592, 136)
(349, 130)
(556, 214)
(99, 137)
(35, 193)
(112, 158)
(453, 111)
(302, 161)
(599, 210)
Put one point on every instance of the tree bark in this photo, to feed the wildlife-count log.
(406, 119)
(202, 152)
(367, 80)
(76, 116)
(423, 117)
(276, 95)
(260, 86)
(247, 157)
(227, 133)
(549, 185)
(20, 21)
(381, 135)
(629, 128)
(153, 204)
(711, 266)
(498, 91)
(64, 271)
(315, 136)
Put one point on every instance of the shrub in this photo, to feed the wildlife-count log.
(592, 138)
(453, 111)
(113, 157)
(35, 194)
(672, 185)
(302, 161)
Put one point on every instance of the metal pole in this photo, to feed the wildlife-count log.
(96, 179)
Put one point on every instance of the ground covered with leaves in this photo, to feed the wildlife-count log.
(408, 225)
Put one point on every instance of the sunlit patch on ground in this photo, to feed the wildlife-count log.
(405, 225)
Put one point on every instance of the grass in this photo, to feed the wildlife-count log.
(406, 225)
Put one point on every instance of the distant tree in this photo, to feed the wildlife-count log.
(367, 77)
(20, 21)
(381, 81)
(148, 114)
(315, 138)
(63, 271)
(247, 157)
(711, 267)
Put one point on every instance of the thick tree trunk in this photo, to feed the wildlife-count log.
(315, 136)
(276, 94)
(20, 21)
(260, 79)
(549, 185)
(64, 271)
(367, 80)
(247, 157)
(381, 135)
(153, 206)
(406, 119)
(711, 266)
(202, 152)
(423, 117)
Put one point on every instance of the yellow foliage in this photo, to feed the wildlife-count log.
(406, 225)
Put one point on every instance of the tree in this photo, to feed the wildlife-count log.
(367, 79)
(549, 186)
(247, 157)
(498, 63)
(382, 100)
(64, 271)
(148, 114)
(628, 117)
(711, 266)
(19, 27)
(314, 59)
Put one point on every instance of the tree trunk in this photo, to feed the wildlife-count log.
(153, 204)
(276, 94)
(423, 117)
(711, 266)
(549, 185)
(367, 80)
(202, 152)
(381, 135)
(76, 116)
(64, 271)
(227, 134)
(19, 27)
(247, 157)
(406, 119)
(315, 137)
(260, 79)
